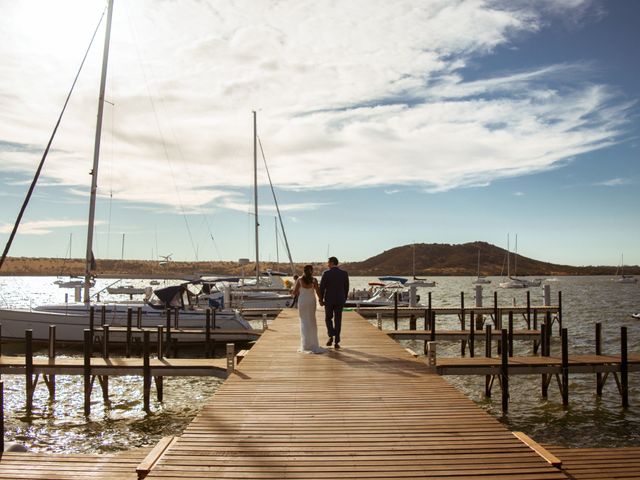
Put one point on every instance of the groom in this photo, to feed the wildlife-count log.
(334, 288)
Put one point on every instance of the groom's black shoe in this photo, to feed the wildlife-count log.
(330, 342)
(337, 346)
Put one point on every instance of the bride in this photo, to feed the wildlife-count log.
(306, 289)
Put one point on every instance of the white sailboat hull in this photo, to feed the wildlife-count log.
(70, 325)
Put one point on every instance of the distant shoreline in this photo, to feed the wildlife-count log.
(32, 266)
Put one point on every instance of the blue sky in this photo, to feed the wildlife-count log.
(383, 124)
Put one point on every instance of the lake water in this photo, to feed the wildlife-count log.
(60, 426)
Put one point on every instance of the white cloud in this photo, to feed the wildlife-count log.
(345, 99)
(614, 182)
(44, 227)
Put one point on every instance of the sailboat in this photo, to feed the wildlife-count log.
(415, 281)
(514, 282)
(480, 279)
(625, 278)
(72, 318)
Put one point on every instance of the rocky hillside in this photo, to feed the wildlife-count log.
(446, 259)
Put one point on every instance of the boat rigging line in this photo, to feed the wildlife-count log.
(46, 150)
(275, 201)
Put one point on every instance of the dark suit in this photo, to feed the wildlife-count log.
(334, 288)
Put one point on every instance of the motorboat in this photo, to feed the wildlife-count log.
(514, 283)
(382, 295)
(126, 290)
(72, 283)
(419, 282)
(235, 292)
(636, 315)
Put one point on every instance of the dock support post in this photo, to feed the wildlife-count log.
(88, 382)
(412, 322)
(104, 379)
(488, 381)
(624, 368)
(427, 318)
(92, 314)
(146, 372)
(549, 323)
(207, 334)
(29, 383)
(139, 317)
(472, 336)
(599, 376)
(431, 353)
(544, 353)
(129, 322)
(265, 324)
(231, 355)
(565, 367)
(395, 310)
(504, 374)
(167, 343)
(159, 379)
(510, 340)
(528, 310)
(50, 380)
(433, 326)
(105, 341)
(379, 321)
(103, 316)
(463, 316)
(560, 310)
(496, 320)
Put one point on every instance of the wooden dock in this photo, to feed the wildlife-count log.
(115, 366)
(369, 410)
(599, 463)
(107, 466)
(535, 365)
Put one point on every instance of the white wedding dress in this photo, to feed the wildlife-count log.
(308, 325)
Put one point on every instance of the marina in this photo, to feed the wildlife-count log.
(422, 137)
(330, 416)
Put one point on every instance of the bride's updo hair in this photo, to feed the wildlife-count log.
(308, 274)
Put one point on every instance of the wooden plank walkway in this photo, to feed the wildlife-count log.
(369, 410)
(35, 466)
(453, 335)
(599, 463)
(166, 367)
(534, 365)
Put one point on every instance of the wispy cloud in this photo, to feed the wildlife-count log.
(614, 182)
(43, 227)
(519, 194)
(381, 101)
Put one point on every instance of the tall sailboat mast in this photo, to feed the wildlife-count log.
(255, 193)
(96, 156)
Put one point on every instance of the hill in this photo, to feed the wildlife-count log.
(430, 259)
(447, 259)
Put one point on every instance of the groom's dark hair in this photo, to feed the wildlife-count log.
(333, 261)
